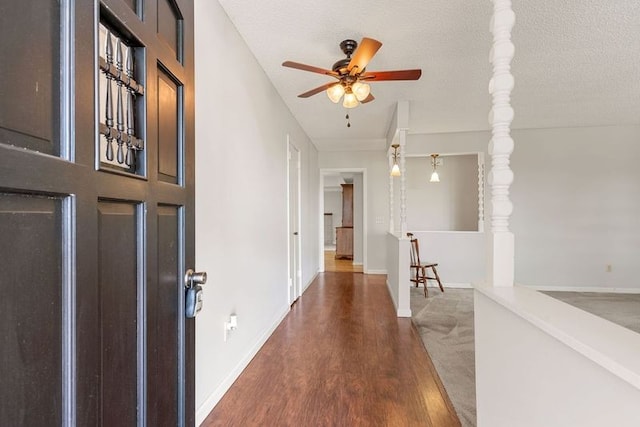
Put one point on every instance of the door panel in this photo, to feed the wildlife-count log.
(118, 265)
(29, 83)
(169, 144)
(30, 310)
(163, 315)
(169, 26)
(133, 4)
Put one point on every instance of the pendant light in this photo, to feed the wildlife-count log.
(434, 175)
(395, 170)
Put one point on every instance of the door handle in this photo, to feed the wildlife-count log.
(295, 233)
(193, 297)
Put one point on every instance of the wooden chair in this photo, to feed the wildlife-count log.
(420, 269)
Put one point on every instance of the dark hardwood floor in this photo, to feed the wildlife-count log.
(339, 265)
(340, 358)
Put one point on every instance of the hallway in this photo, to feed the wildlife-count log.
(340, 358)
(331, 264)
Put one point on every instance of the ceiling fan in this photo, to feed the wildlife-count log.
(351, 75)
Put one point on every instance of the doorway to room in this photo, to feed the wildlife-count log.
(343, 216)
(294, 249)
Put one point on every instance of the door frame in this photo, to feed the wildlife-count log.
(332, 171)
(297, 279)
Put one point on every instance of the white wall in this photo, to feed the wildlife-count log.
(577, 206)
(448, 205)
(398, 248)
(333, 205)
(541, 362)
(575, 198)
(309, 203)
(241, 212)
(357, 218)
(459, 142)
(461, 255)
(375, 162)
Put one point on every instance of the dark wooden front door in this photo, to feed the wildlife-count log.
(96, 212)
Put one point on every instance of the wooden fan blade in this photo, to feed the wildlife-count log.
(316, 90)
(305, 67)
(369, 98)
(378, 76)
(362, 55)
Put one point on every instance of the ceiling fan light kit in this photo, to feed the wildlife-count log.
(361, 90)
(352, 77)
(335, 92)
(350, 99)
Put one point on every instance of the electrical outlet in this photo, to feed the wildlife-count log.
(609, 268)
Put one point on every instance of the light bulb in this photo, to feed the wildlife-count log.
(361, 90)
(435, 177)
(350, 100)
(395, 170)
(335, 92)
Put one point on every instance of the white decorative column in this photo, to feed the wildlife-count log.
(481, 192)
(501, 242)
(391, 195)
(403, 179)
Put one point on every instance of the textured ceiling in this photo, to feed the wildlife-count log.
(577, 62)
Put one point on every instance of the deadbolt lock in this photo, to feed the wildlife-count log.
(193, 297)
(192, 278)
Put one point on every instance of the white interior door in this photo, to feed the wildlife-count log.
(295, 270)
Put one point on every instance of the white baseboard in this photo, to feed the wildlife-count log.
(599, 289)
(210, 402)
(305, 287)
(404, 313)
(451, 285)
(370, 271)
(400, 312)
(393, 300)
(454, 285)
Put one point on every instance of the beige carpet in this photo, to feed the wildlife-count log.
(445, 323)
(623, 309)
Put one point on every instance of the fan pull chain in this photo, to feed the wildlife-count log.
(348, 121)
